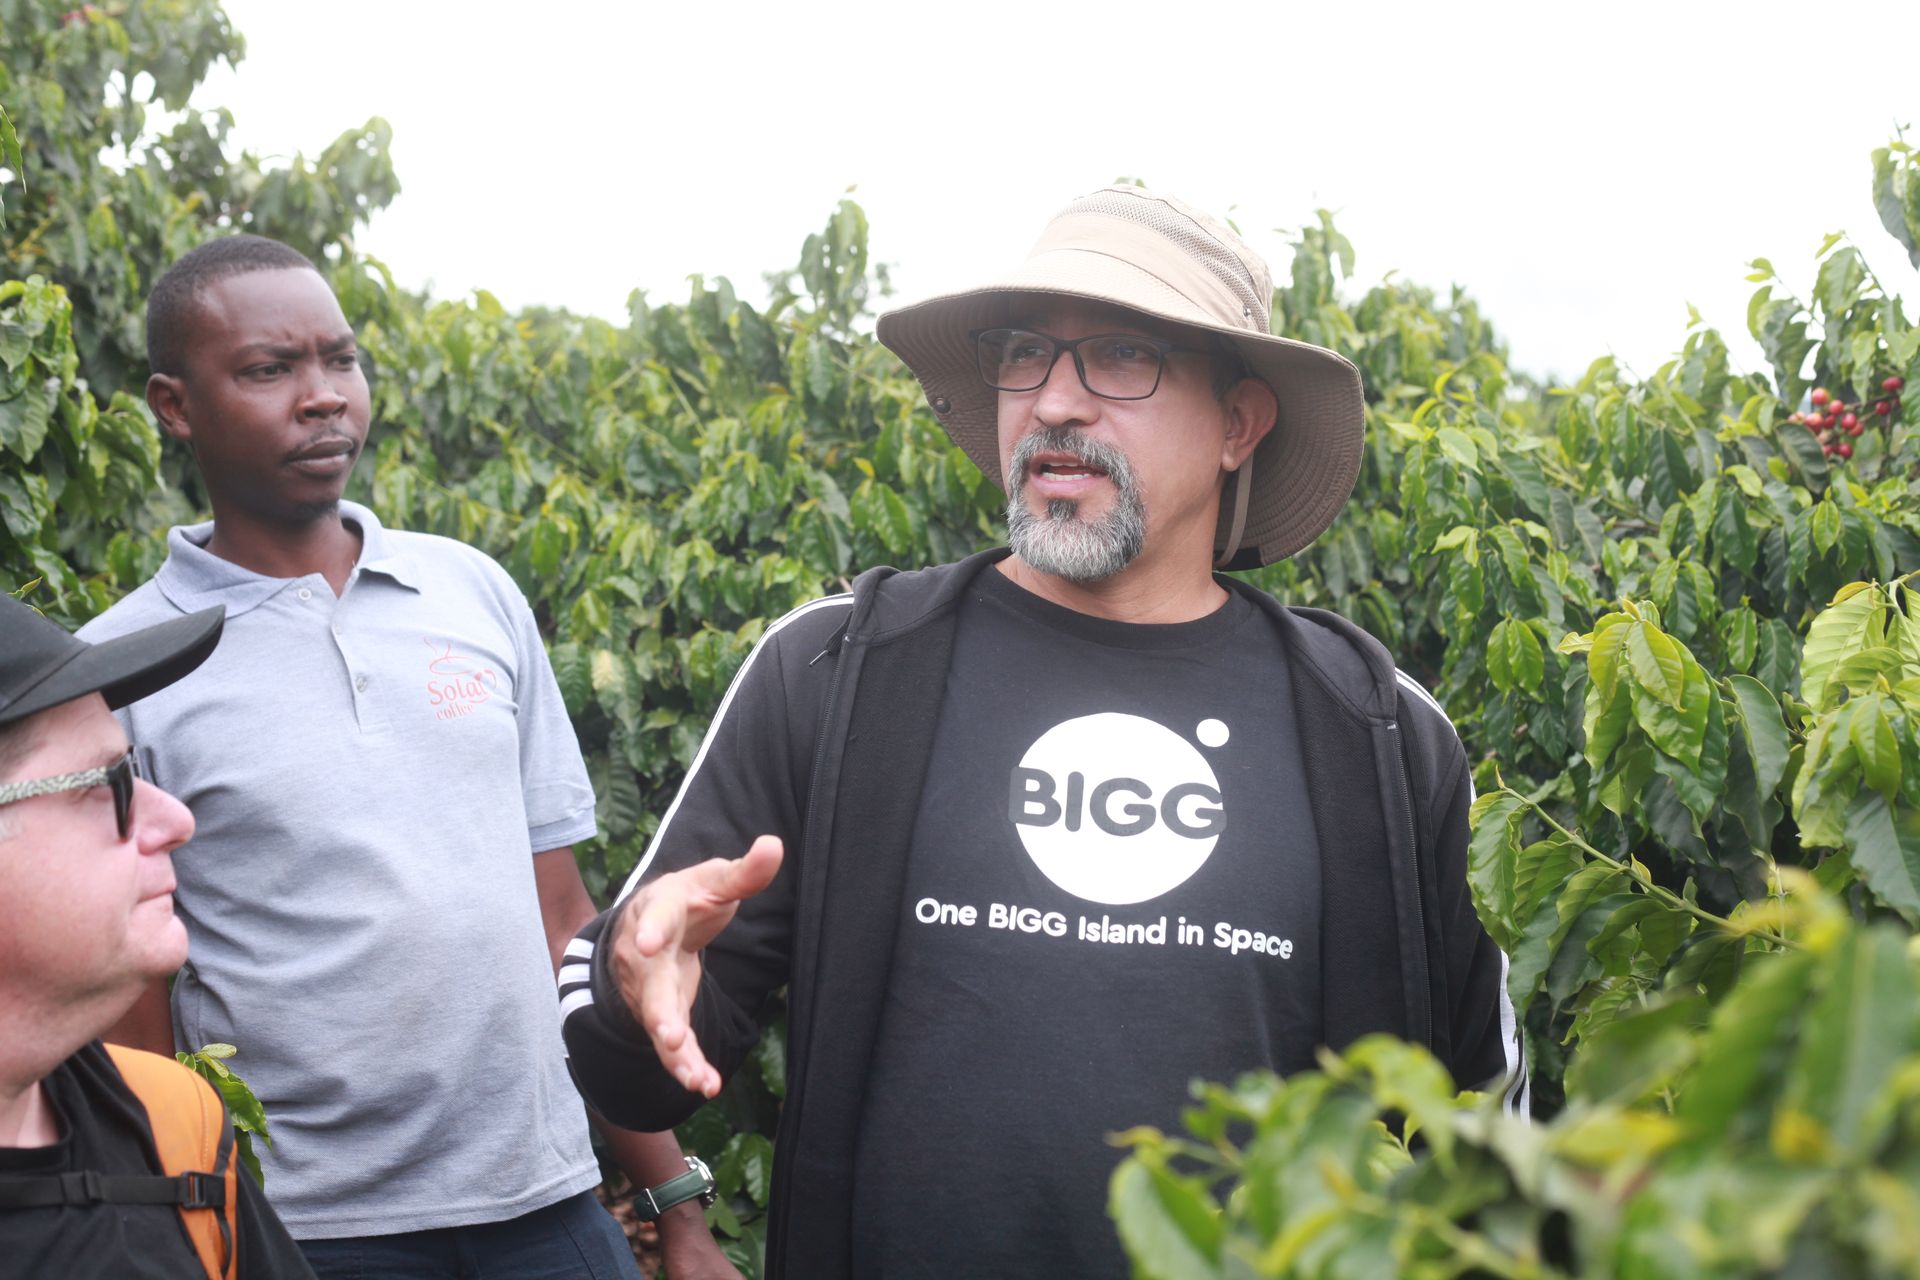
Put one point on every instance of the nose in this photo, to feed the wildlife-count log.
(1063, 400)
(161, 824)
(320, 398)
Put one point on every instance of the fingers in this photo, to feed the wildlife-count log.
(730, 880)
(672, 919)
(666, 993)
(754, 870)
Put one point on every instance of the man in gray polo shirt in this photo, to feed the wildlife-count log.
(386, 786)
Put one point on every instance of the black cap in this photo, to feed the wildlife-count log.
(42, 665)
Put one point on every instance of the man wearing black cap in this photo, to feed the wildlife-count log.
(87, 885)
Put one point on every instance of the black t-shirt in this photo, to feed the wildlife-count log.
(103, 1128)
(1113, 889)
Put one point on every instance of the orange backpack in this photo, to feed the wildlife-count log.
(195, 1146)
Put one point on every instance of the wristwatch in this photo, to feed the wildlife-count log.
(696, 1183)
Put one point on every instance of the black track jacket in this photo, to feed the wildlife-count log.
(823, 740)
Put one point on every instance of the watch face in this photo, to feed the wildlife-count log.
(710, 1192)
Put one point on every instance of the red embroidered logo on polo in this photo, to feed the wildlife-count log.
(456, 684)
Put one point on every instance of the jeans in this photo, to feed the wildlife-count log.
(573, 1240)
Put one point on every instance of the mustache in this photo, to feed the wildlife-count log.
(1093, 453)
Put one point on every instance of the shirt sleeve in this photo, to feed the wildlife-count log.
(553, 777)
(748, 779)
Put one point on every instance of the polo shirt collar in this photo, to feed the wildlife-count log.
(194, 578)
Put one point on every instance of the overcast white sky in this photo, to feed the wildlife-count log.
(1585, 170)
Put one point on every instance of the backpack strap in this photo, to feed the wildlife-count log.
(195, 1144)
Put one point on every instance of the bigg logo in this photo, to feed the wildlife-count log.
(1116, 808)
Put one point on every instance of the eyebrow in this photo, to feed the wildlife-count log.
(284, 351)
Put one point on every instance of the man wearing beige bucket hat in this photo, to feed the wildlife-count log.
(1035, 839)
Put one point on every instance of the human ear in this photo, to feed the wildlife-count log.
(1252, 408)
(167, 397)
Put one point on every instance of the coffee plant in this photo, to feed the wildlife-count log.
(1669, 613)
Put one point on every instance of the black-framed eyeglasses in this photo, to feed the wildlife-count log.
(118, 776)
(1113, 366)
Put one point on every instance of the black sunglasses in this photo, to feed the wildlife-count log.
(118, 777)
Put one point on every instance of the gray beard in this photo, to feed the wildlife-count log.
(1059, 542)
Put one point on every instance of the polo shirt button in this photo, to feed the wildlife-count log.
(306, 594)
(360, 683)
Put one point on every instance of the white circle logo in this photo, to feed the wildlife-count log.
(1116, 808)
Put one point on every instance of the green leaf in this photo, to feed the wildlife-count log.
(1540, 871)
(1634, 1055)
(1838, 631)
(1544, 934)
(1525, 660)
(1860, 672)
(1677, 731)
(1805, 453)
(1858, 1030)
(1875, 746)
(756, 1166)
(24, 419)
(1824, 525)
(1528, 481)
(1711, 964)
(1491, 858)
(545, 547)
(573, 669)
(1606, 722)
(1658, 664)
(1754, 1020)
(1171, 1230)
(1407, 1078)
(620, 805)
(1603, 659)
(1573, 961)
(1777, 655)
(1740, 637)
(1896, 214)
(1459, 447)
(10, 157)
(1732, 533)
(1886, 854)
(1765, 730)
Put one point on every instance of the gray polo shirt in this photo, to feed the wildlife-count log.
(371, 775)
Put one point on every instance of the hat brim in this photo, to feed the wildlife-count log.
(1303, 472)
(126, 668)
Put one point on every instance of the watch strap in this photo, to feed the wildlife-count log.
(695, 1184)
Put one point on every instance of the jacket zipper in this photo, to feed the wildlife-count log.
(776, 1250)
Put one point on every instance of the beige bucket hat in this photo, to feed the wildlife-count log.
(1129, 247)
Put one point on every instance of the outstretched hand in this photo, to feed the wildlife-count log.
(657, 943)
